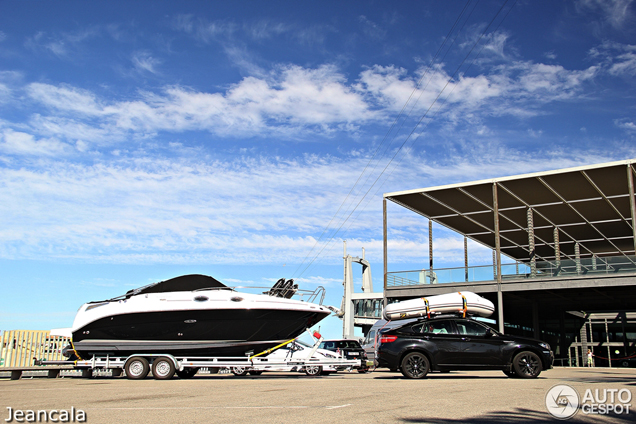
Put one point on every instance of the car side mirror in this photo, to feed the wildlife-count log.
(489, 333)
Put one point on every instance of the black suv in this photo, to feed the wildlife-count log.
(454, 343)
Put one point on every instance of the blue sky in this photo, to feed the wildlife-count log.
(144, 140)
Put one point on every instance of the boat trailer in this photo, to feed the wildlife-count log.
(165, 366)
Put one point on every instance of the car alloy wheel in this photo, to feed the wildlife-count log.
(527, 365)
(415, 365)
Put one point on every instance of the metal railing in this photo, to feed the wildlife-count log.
(516, 271)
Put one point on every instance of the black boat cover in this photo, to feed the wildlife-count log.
(182, 283)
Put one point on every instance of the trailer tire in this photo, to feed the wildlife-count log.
(187, 373)
(163, 368)
(137, 368)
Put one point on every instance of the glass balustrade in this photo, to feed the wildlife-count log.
(565, 268)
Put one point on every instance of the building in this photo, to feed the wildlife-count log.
(564, 264)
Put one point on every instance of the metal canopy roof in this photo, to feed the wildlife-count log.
(589, 205)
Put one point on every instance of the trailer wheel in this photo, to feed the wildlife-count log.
(137, 368)
(187, 372)
(313, 370)
(163, 368)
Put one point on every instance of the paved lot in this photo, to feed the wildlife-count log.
(378, 397)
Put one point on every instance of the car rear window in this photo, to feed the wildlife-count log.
(349, 344)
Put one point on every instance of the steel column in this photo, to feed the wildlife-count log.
(557, 250)
(609, 351)
(577, 257)
(495, 202)
(466, 257)
(632, 201)
(384, 233)
(430, 245)
(533, 257)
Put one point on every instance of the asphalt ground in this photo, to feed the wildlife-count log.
(377, 397)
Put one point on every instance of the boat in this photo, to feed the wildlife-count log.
(466, 303)
(193, 315)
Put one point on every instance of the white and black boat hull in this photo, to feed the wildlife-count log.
(232, 332)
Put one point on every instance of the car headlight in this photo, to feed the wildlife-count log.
(545, 346)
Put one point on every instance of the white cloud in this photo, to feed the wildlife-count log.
(371, 29)
(616, 13)
(65, 98)
(20, 143)
(252, 210)
(63, 44)
(294, 102)
(626, 124)
(144, 62)
(291, 100)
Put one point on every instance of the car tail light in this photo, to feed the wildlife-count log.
(388, 339)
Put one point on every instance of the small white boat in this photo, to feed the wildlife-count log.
(457, 302)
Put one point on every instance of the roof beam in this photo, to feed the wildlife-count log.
(429, 196)
(549, 187)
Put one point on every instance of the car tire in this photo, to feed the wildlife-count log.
(527, 364)
(415, 365)
(239, 371)
(313, 370)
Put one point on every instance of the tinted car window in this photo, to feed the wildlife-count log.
(471, 328)
(434, 327)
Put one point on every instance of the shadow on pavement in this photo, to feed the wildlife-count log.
(519, 416)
